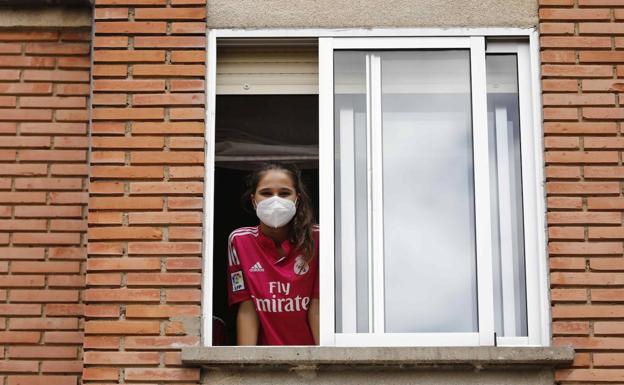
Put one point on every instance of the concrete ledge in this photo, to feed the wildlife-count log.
(389, 357)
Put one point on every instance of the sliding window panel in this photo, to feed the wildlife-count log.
(352, 258)
(430, 279)
(510, 299)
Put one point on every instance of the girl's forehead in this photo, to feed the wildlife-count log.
(275, 179)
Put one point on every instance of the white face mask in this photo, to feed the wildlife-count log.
(275, 211)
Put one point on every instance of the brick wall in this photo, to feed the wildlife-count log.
(582, 74)
(146, 187)
(44, 88)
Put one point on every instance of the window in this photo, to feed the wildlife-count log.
(431, 202)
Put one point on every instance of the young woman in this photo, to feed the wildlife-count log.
(273, 267)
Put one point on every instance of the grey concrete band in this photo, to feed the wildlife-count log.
(45, 17)
(476, 357)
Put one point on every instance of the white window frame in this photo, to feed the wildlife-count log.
(538, 304)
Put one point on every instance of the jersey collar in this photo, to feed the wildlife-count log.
(268, 244)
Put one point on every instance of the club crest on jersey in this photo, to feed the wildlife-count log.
(237, 281)
(301, 266)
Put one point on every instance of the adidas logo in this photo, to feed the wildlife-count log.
(256, 268)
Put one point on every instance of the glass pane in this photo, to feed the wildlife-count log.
(428, 202)
(506, 175)
(351, 198)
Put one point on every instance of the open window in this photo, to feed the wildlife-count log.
(266, 109)
(429, 181)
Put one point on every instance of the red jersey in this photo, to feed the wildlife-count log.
(280, 288)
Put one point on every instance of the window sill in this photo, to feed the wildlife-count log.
(471, 358)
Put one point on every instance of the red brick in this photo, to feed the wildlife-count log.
(188, 28)
(183, 295)
(42, 380)
(110, 42)
(112, 70)
(128, 85)
(185, 233)
(128, 114)
(15, 366)
(165, 218)
(172, 99)
(560, 142)
(121, 358)
(112, 264)
(100, 374)
(122, 295)
(63, 337)
(160, 343)
(131, 28)
(560, 114)
(110, 13)
(169, 70)
(163, 279)
(573, 14)
(170, 13)
(26, 62)
(101, 342)
(162, 311)
(104, 279)
(585, 248)
(42, 352)
(571, 328)
(128, 56)
(556, 28)
(61, 366)
(569, 295)
(102, 311)
(601, 57)
(162, 374)
(122, 327)
(104, 218)
(166, 188)
(580, 71)
(174, 128)
(179, 85)
(127, 172)
(582, 188)
(122, 233)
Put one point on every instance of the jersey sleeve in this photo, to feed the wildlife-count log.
(237, 287)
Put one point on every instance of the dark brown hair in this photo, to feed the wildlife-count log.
(303, 223)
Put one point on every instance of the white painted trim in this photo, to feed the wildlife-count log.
(529, 196)
(408, 339)
(347, 219)
(208, 224)
(512, 341)
(505, 220)
(482, 188)
(376, 176)
(326, 183)
(401, 43)
(372, 32)
(540, 190)
(326, 191)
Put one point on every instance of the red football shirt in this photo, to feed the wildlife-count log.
(280, 288)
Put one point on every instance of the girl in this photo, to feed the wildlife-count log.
(273, 267)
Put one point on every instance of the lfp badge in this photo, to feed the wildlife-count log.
(237, 281)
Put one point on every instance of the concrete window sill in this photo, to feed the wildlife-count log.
(471, 358)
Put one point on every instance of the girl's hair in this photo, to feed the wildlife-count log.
(303, 222)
